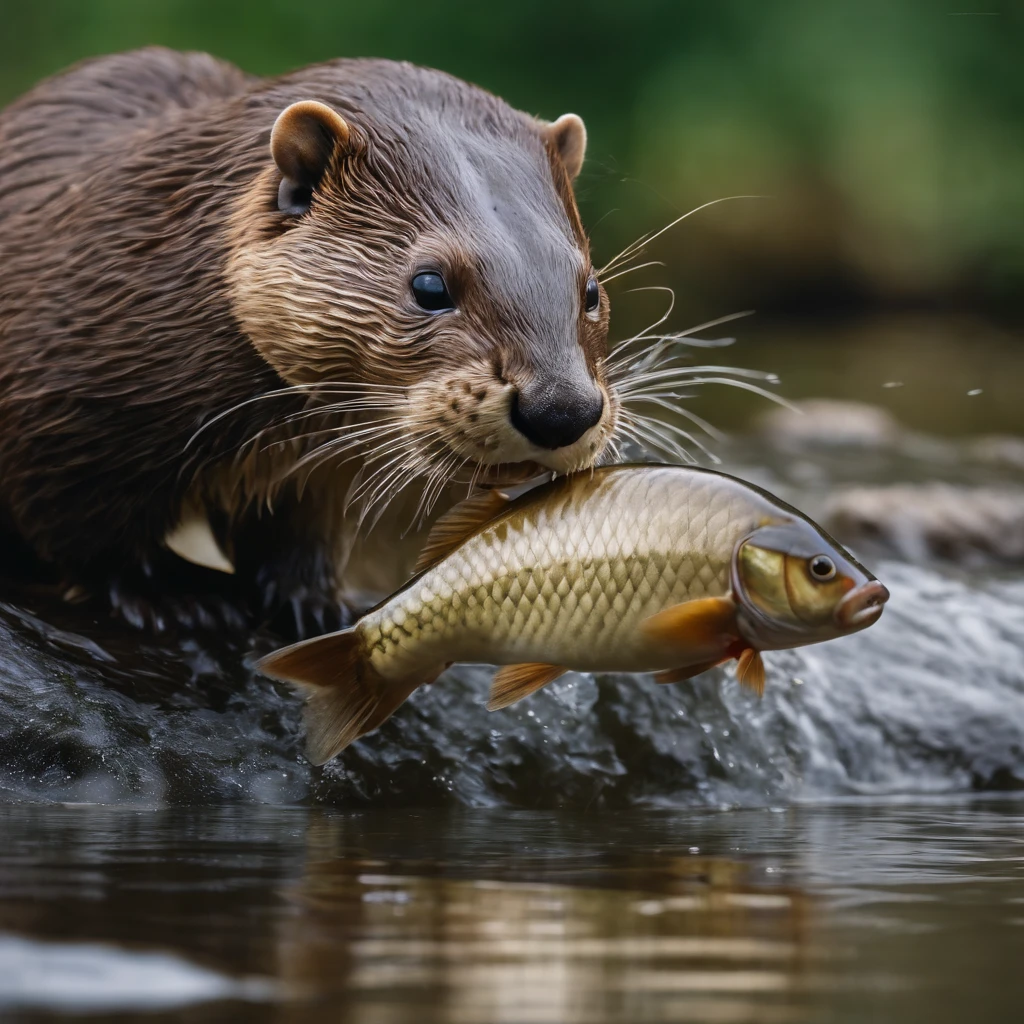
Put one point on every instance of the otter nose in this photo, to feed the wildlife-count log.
(555, 415)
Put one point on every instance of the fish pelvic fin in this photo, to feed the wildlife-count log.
(704, 624)
(458, 524)
(345, 696)
(514, 682)
(750, 670)
(679, 675)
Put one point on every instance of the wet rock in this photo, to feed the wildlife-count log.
(930, 699)
(999, 450)
(828, 423)
(935, 520)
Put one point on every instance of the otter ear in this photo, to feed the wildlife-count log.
(303, 140)
(568, 137)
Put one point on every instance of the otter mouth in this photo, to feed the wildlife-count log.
(505, 474)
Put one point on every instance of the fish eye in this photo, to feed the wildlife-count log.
(592, 296)
(431, 293)
(821, 568)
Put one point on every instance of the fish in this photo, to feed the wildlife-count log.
(638, 568)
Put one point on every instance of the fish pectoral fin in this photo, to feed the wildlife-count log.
(704, 624)
(514, 682)
(750, 670)
(679, 675)
(458, 524)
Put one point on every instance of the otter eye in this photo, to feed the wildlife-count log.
(592, 296)
(822, 568)
(431, 293)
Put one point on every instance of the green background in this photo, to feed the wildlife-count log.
(886, 137)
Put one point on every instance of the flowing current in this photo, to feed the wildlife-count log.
(929, 700)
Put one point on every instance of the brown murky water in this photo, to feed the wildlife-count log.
(840, 913)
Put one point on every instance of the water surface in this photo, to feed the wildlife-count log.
(845, 913)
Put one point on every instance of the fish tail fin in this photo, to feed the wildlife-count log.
(345, 696)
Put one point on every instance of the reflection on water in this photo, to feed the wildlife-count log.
(891, 913)
(541, 938)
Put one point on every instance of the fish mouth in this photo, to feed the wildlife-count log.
(862, 606)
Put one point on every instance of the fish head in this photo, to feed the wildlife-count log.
(794, 585)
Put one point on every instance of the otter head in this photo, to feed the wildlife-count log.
(425, 242)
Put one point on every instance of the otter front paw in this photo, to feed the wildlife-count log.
(164, 594)
(302, 613)
(298, 596)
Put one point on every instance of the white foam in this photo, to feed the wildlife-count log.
(94, 977)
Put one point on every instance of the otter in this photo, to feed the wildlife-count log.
(212, 285)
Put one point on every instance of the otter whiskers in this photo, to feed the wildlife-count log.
(371, 424)
(647, 379)
(629, 270)
(362, 422)
(636, 248)
(650, 380)
(310, 391)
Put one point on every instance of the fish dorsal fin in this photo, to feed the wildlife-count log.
(459, 523)
(514, 682)
(750, 671)
(704, 624)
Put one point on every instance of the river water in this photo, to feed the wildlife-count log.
(901, 912)
(847, 848)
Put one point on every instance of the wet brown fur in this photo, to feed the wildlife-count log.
(149, 283)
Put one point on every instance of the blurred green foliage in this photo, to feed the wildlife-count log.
(889, 135)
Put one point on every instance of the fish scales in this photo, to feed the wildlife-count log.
(574, 574)
(629, 568)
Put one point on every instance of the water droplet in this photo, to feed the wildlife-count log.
(649, 907)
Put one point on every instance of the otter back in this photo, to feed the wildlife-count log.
(193, 257)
